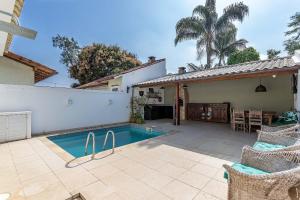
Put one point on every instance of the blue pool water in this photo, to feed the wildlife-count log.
(74, 143)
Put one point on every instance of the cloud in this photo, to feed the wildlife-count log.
(263, 56)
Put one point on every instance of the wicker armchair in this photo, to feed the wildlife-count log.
(289, 127)
(286, 130)
(283, 176)
(288, 143)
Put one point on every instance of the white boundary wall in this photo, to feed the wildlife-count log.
(63, 108)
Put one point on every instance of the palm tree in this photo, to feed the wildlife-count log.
(273, 53)
(204, 24)
(293, 42)
(294, 26)
(225, 43)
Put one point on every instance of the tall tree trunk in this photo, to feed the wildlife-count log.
(220, 61)
(208, 51)
(224, 63)
(208, 64)
(208, 56)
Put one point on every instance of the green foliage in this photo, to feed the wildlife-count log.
(226, 43)
(294, 26)
(94, 61)
(246, 55)
(273, 53)
(99, 60)
(204, 25)
(291, 46)
(70, 49)
(136, 118)
(293, 42)
(137, 105)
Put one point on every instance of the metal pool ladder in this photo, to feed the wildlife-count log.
(87, 143)
(113, 138)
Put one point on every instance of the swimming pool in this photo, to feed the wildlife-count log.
(74, 143)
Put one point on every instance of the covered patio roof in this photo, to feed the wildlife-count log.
(243, 70)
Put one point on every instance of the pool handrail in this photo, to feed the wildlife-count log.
(113, 137)
(87, 143)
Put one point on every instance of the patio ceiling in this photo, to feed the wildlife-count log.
(229, 72)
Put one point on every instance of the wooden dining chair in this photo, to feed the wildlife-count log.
(239, 121)
(255, 119)
(231, 119)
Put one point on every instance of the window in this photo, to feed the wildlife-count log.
(115, 88)
(151, 90)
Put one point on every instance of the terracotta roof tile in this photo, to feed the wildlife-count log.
(243, 68)
(41, 72)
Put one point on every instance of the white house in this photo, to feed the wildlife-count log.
(123, 81)
(18, 70)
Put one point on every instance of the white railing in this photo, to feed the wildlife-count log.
(87, 143)
(113, 140)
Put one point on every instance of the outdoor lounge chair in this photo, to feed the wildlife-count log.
(286, 130)
(283, 128)
(276, 142)
(264, 175)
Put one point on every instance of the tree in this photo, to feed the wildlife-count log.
(291, 46)
(94, 61)
(246, 55)
(70, 49)
(98, 60)
(226, 43)
(293, 43)
(273, 53)
(204, 24)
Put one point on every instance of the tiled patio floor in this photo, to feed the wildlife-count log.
(184, 165)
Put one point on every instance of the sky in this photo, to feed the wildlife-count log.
(143, 27)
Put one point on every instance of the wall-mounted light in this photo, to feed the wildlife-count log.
(185, 86)
(274, 75)
(69, 101)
